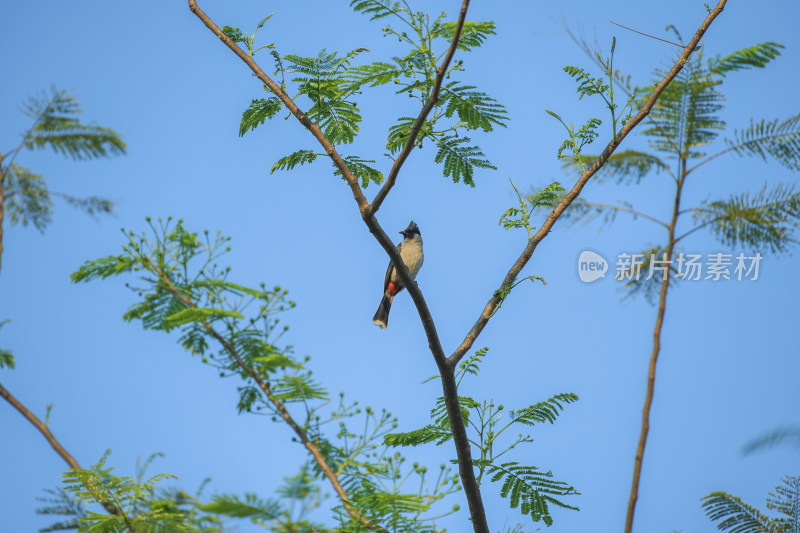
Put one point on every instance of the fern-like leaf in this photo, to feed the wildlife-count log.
(361, 170)
(734, 515)
(459, 160)
(530, 489)
(768, 218)
(250, 507)
(625, 165)
(546, 411)
(300, 157)
(756, 56)
(376, 9)
(56, 126)
(259, 111)
(779, 140)
(27, 198)
(474, 108)
(473, 34)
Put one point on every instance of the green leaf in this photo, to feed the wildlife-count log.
(473, 34)
(530, 489)
(197, 314)
(398, 134)
(756, 56)
(6, 359)
(734, 515)
(56, 126)
(103, 268)
(259, 111)
(27, 198)
(625, 165)
(546, 411)
(301, 157)
(779, 140)
(361, 170)
(686, 115)
(768, 218)
(376, 9)
(372, 75)
(424, 435)
(249, 507)
(459, 161)
(234, 34)
(474, 108)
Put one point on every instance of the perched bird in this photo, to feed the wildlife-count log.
(411, 252)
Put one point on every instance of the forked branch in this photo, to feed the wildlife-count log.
(585, 176)
(48, 435)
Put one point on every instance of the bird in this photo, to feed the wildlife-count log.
(411, 252)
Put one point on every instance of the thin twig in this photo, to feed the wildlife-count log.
(314, 128)
(426, 109)
(628, 210)
(449, 388)
(48, 435)
(523, 259)
(647, 35)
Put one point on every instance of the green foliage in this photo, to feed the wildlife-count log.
(736, 516)
(56, 125)
(300, 157)
(681, 127)
(181, 287)
(128, 495)
(459, 161)
(624, 165)
(767, 219)
(6, 357)
(527, 487)
(783, 436)
(474, 108)
(473, 34)
(259, 111)
(60, 503)
(756, 56)
(361, 170)
(251, 506)
(593, 86)
(332, 84)
(778, 140)
(521, 217)
(530, 489)
(236, 35)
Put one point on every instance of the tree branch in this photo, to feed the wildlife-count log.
(299, 431)
(628, 210)
(449, 388)
(426, 109)
(314, 128)
(48, 435)
(523, 259)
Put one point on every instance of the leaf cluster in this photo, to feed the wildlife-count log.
(527, 487)
(55, 125)
(332, 85)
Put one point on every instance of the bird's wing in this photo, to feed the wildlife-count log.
(389, 270)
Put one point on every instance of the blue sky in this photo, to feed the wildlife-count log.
(729, 365)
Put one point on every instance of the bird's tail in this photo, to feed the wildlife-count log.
(381, 317)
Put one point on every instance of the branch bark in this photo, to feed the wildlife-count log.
(445, 364)
(426, 109)
(447, 370)
(298, 430)
(523, 259)
(48, 435)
